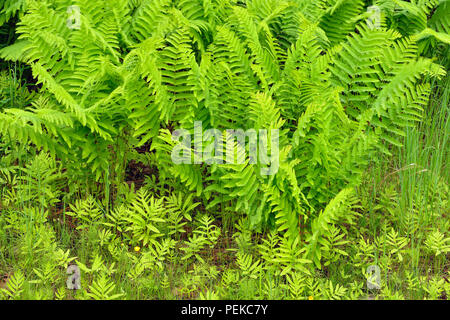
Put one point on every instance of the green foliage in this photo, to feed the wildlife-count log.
(15, 286)
(102, 289)
(93, 122)
(168, 66)
(87, 212)
(11, 8)
(437, 243)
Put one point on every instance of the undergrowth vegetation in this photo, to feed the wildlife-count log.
(91, 92)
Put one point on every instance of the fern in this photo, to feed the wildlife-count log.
(143, 218)
(87, 212)
(102, 289)
(248, 267)
(338, 91)
(337, 209)
(14, 286)
(11, 8)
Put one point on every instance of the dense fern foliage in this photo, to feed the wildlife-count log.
(113, 77)
(337, 89)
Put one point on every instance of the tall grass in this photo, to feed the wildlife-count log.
(425, 152)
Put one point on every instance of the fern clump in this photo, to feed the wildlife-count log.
(128, 74)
